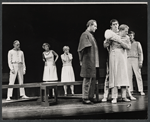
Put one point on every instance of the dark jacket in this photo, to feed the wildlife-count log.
(86, 51)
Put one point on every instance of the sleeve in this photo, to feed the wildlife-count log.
(84, 42)
(106, 43)
(23, 60)
(109, 35)
(9, 61)
(126, 43)
(140, 53)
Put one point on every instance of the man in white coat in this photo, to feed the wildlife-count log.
(17, 66)
(135, 61)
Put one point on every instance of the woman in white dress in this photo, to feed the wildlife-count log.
(50, 71)
(67, 74)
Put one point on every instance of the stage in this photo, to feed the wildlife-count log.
(71, 107)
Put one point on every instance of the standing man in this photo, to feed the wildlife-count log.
(135, 61)
(114, 24)
(17, 66)
(89, 61)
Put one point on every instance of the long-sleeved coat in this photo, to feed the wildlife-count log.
(118, 74)
(88, 55)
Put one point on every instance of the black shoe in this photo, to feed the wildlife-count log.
(94, 100)
(86, 101)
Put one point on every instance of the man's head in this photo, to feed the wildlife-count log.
(114, 24)
(16, 44)
(131, 35)
(91, 25)
(123, 30)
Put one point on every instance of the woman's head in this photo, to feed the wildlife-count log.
(66, 49)
(46, 46)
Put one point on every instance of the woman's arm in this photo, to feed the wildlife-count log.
(55, 55)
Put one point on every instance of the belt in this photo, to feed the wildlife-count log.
(17, 63)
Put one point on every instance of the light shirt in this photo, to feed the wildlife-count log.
(136, 51)
(16, 56)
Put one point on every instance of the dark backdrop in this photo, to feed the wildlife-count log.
(61, 25)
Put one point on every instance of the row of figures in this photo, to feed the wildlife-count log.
(50, 70)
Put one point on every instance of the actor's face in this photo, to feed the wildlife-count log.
(46, 47)
(66, 51)
(125, 32)
(131, 36)
(93, 27)
(115, 26)
(17, 45)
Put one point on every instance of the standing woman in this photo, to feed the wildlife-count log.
(67, 74)
(50, 71)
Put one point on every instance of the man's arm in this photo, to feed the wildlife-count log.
(125, 43)
(10, 61)
(140, 55)
(23, 61)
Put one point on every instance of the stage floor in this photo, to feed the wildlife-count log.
(72, 108)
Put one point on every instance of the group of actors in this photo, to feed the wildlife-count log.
(125, 56)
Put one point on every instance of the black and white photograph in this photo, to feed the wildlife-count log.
(74, 60)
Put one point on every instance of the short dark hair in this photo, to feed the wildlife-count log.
(122, 27)
(113, 20)
(132, 32)
(43, 46)
(90, 22)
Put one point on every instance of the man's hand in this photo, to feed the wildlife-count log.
(13, 71)
(80, 63)
(24, 72)
(140, 65)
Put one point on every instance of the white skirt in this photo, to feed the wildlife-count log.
(67, 74)
(50, 72)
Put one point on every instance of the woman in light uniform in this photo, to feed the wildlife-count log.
(67, 74)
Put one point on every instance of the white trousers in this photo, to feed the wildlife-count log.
(133, 66)
(18, 72)
(114, 92)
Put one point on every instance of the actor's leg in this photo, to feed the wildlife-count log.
(106, 88)
(20, 79)
(72, 89)
(129, 94)
(138, 76)
(12, 78)
(123, 94)
(114, 94)
(92, 88)
(130, 74)
(65, 89)
(86, 88)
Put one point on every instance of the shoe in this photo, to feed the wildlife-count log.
(65, 95)
(104, 100)
(142, 93)
(125, 100)
(86, 101)
(71, 94)
(132, 98)
(114, 101)
(94, 100)
(24, 97)
(8, 99)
